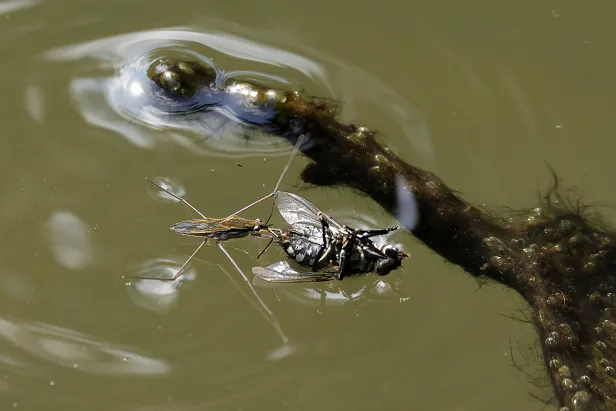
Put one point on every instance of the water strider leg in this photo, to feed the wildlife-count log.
(250, 300)
(300, 139)
(177, 274)
(270, 317)
(177, 198)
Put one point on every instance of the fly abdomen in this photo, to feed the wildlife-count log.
(301, 249)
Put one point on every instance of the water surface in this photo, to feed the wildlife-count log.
(483, 94)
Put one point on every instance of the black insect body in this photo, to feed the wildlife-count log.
(329, 249)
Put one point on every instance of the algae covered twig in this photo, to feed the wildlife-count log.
(557, 256)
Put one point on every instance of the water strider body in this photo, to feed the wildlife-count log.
(220, 229)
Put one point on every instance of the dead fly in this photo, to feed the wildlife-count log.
(222, 229)
(317, 241)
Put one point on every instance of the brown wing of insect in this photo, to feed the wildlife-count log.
(214, 227)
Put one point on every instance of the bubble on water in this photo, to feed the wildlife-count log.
(382, 288)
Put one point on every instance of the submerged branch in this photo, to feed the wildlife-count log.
(561, 262)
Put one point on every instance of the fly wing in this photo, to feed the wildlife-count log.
(298, 210)
(282, 272)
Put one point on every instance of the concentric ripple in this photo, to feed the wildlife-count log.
(216, 120)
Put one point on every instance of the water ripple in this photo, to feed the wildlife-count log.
(130, 104)
(155, 295)
(76, 350)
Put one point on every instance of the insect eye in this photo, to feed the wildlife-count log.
(390, 250)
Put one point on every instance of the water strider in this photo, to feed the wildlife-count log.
(222, 229)
(332, 250)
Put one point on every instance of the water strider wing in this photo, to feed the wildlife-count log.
(213, 228)
(200, 228)
(298, 210)
(282, 272)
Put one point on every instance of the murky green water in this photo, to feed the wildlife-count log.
(482, 93)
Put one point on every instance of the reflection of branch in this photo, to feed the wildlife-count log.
(555, 256)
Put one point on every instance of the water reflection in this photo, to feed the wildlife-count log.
(69, 240)
(155, 295)
(218, 120)
(168, 184)
(337, 294)
(35, 104)
(129, 99)
(14, 5)
(76, 350)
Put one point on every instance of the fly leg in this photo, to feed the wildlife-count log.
(325, 256)
(373, 233)
(326, 249)
(368, 247)
(345, 252)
